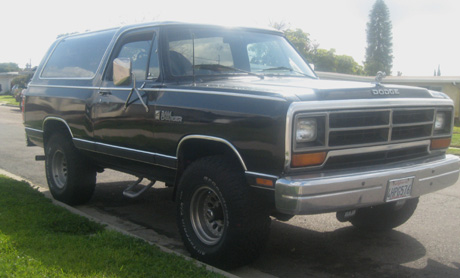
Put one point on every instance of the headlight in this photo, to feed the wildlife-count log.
(440, 122)
(306, 130)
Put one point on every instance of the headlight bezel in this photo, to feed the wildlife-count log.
(316, 141)
(442, 123)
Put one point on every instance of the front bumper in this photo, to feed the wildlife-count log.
(347, 190)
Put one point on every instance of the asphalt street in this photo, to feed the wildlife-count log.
(428, 245)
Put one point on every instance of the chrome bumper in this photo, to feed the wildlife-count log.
(346, 190)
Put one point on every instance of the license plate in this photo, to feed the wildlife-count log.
(399, 189)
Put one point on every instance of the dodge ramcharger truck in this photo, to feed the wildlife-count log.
(240, 125)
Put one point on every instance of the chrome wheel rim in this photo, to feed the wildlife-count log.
(207, 215)
(59, 169)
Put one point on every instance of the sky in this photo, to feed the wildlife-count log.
(424, 31)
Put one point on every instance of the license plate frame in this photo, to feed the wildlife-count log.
(399, 189)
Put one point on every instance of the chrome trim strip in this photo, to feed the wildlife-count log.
(65, 87)
(117, 89)
(367, 104)
(222, 93)
(126, 149)
(34, 129)
(378, 148)
(212, 138)
(262, 187)
(164, 90)
(262, 175)
(57, 119)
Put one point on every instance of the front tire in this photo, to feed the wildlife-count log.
(71, 178)
(384, 217)
(221, 221)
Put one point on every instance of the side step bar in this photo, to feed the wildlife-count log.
(130, 192)
(39, 158)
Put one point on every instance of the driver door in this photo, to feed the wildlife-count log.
(121, 120)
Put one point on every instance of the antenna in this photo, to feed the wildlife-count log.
(193, 58)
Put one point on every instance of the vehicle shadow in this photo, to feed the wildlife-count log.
(346, 252)
(15, 109)
(154, 209)
(292, 251)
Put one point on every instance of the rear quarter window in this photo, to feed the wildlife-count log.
(78, 56)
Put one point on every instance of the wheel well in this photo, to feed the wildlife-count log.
(52, 126)
(194, 149)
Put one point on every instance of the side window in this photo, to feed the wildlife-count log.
(141, 48)
(78, 56)
(138, 52)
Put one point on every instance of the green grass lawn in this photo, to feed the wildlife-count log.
(39, 239)
(8, 99)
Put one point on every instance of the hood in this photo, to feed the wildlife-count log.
(297, 89)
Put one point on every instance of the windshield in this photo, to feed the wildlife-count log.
(219, 51)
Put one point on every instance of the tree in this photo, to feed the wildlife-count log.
(300, 40)
(22, 80)
(379, 40)
(346, 64)
(324, 60)
(9, 67)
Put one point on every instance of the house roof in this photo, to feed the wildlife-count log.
(12, 73)
(393, 79)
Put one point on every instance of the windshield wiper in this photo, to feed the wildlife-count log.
(222, 68)
(288, 69)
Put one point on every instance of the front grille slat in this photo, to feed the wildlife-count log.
(411, 132)
(375, 158)
(359, 119)
(352, 137)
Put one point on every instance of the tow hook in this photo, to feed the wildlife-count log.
(344, 216)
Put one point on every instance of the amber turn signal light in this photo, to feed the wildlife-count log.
(264, 182)
(442, 143)
(308, 159)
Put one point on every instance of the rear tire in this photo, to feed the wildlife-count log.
(221, 221)
(71, 178)
(384, 217)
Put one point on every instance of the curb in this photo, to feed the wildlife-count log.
(73, 210)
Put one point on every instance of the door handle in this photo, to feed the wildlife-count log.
(104, 93)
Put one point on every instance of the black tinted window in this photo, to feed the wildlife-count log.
(138, 52)
(140, 46)
(78, 57)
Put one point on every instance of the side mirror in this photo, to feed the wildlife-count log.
(122, 71)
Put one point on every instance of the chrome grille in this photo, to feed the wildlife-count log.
(349, 128)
